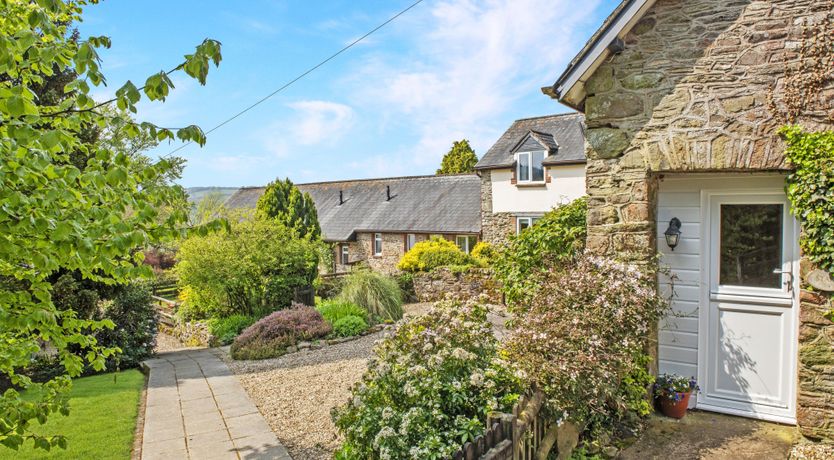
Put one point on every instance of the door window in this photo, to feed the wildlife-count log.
(751, 245)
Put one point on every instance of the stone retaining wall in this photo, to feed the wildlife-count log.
(474, 284)
(191, 333)
(816, 364)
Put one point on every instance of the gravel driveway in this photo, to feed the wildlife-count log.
(296, 392)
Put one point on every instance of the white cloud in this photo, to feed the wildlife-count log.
(468, 63)
(311, 123)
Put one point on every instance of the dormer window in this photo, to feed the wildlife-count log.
(530, 168)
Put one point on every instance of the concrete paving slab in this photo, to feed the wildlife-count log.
(197, 409)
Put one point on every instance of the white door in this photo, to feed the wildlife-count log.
(749, 364)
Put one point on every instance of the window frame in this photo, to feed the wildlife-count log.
(408, 241)
(376, 243)
(466, 239)
(344, 255)
(529, 167)
(531, 220)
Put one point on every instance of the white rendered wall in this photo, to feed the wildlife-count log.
(566, 184)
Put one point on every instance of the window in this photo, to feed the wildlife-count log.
(345, 256)
(377, 244)
(751, 245)
(530, 168)
(466, 242)
(410, 241)
(523, 223)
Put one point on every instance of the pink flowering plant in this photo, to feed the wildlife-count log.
(583, 341)
(270, 336)
(428, 388)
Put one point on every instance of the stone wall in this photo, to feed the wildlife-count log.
(815, 412)
(495, 227)
(688, 93)
(473, 284)
(192, 333)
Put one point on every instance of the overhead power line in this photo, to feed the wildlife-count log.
(302, 75)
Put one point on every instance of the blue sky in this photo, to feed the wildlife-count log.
(392, 105)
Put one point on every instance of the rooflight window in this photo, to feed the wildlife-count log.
(530, 167)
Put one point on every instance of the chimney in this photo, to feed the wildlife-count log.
(341, 198)
(387, 193)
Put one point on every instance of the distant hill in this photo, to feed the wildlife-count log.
(196, 194)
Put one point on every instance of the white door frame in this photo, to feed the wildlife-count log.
(709, 264)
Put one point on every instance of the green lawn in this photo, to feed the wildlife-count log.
(101, 422)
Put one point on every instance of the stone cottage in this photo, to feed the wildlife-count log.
(681, 137)
(538, 163)
(375, 221)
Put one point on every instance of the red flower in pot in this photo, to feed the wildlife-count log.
(673, 392)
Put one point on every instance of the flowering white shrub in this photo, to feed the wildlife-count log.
(428, 388)
(583, 340)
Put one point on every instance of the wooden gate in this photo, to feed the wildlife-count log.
(515, 436)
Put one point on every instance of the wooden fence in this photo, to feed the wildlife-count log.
(515, 436)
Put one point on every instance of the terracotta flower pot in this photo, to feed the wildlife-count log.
(675, 408)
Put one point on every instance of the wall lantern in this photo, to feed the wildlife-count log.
(673, 233)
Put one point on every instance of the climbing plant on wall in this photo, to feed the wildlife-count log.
(810, 187)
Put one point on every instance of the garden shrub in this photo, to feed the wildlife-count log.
(378, 294)
(253, 269)
(69, 294)
(406, 282)
(227, 328)
(348, 326)
(270, 336)
(437, 252)
(583, 341)
(136, 322)
(334, 309)
(329, 287)
(484, 252)
(428, 388)
(556, 237)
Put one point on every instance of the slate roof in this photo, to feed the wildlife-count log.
(419, 204)
(562, 135)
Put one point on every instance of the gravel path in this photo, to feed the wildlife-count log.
(165, 342)
(296, 392)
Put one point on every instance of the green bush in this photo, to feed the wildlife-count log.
(428, 388)
(269, 337)
(555, 238)
(227, 328)
(437, 252)
(255, 268)
(136, 322)
(329, 287)
(334, 309)
(378, 294)
(405, 281)
(350, 325)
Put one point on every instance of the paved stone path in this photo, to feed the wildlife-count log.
(197, 409)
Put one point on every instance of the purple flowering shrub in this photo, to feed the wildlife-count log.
(270, 336)
(583, 341)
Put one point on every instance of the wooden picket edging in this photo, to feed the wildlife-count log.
(515, 436)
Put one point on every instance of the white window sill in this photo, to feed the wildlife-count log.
(531, 184)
